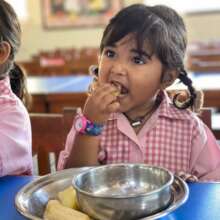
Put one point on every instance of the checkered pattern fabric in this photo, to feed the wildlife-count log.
(171, 138)
(167, 144)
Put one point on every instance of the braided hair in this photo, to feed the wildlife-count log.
(188, 82)
(193, 99)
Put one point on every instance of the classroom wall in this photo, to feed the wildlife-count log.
(203, 27)
(36, 38)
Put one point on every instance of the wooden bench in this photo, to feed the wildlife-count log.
(206, 116)
(212, 120)
(49, 133)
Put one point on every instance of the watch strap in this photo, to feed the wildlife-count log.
(93, 129)
(89, 127)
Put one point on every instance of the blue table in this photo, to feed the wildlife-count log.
(52, 93)
(58, 84)
(203, 202)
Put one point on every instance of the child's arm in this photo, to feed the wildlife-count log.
(205, 156)
(82, 149)
(15, 136)
(71, 156)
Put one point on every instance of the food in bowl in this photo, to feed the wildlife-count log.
(123, 191)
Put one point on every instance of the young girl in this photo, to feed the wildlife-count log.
(128, 117)
(15, 129)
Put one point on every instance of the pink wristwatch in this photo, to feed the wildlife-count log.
(85, 126)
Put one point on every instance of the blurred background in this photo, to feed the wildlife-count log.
(202, 19)
(60, 41)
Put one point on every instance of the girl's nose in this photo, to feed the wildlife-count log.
(119, 69)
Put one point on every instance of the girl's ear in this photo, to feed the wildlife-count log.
(168, 78)
(5, 50)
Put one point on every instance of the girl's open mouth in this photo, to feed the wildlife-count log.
(122, 90)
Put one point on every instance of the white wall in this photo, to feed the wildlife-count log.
(36, 38)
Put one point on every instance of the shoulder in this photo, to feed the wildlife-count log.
(183, 117)
(13, 113)
(169, 111)
(15, 126)
(178, 114)
(12, 104)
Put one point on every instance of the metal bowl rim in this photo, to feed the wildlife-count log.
(79, 190)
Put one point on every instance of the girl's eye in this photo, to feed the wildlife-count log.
(110, 53)
(139, 60)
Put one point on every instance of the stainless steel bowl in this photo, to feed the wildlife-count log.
(123, 191)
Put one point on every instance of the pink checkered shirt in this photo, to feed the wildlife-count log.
(15, 133)
(175, 139)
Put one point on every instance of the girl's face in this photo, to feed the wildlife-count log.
(137, 76)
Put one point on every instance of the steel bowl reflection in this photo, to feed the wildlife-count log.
(123, 191)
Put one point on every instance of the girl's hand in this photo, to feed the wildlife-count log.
(101, 103)
(187, 177)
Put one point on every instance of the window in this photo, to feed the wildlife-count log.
(20, 7)
(188, 6)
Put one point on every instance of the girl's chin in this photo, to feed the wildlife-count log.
(123, 108)
(126, 103)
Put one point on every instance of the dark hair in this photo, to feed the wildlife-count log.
(19, 85)
(163, 29)
(10, 32)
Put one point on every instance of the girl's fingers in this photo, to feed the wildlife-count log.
(113, 107)
(93, 86)
(107, 100)
(104, 90)
(101, 103)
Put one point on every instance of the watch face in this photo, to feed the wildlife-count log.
(78, 124)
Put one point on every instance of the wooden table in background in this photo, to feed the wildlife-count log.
(51, 94)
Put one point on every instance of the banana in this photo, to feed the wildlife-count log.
(56, 211)
(67, 197)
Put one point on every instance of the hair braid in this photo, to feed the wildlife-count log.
(192, 97)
